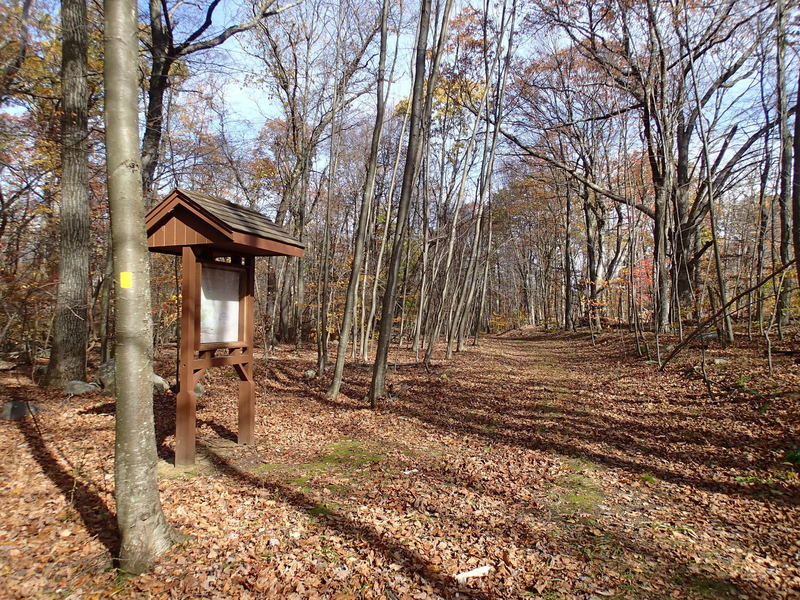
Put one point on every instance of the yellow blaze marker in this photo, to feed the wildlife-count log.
(126, 279)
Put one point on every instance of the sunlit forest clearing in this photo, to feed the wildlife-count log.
(372, 299)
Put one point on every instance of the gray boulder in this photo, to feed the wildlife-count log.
(16, 410)
(76, 388)
(106, 375)
(160, 385)
(199, 389)
(6, 366)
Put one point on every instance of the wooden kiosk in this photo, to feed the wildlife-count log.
(218, 242)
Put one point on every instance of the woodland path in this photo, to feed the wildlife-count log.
(575, 471)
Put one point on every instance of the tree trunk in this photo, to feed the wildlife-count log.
(161, 63)
(660, 273)
(480, 318)
(784, 192)
(105, 329)
(684, 235)
(796, 184)
(568, 323)
(71, 323)
(409, 178)
(422, 305)
(466, 299)
(454, 223)
(144, 529)
(592, 259)
(723, 295)
(368, 330)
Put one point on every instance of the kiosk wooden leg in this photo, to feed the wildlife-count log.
(247, 404)
(247, 399)
(186, 402)
(185, 425)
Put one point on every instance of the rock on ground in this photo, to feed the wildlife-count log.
(16, 410)
(106, 375)
(160, 385)
(76, 388)
(199, 389)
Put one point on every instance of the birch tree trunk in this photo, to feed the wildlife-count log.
(144, 529)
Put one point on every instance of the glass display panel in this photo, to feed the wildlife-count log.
(219, 305)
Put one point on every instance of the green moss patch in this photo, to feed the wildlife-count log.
(344, 458)
(324, 509)
(577, 494)
(348, 454)
(580, 465)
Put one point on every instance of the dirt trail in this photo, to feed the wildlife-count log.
(572, 470)
(706, 476)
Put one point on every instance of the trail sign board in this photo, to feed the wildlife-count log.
(220, 304)
(217, 241)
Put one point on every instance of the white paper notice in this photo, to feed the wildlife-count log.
(219, 305)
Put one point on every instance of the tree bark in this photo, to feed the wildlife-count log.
(784, 191)
(71, 323)
(467, 165)
(322, 328)
(144, 529)
(164, 52)
(161, 64)
(796, 183)
(9, 72)
(368, 330)
(363, 215)
(377, 386)
(568, 323)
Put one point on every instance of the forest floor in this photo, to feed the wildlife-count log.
(573, 470)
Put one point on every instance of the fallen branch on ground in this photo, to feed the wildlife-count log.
(716, 315)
